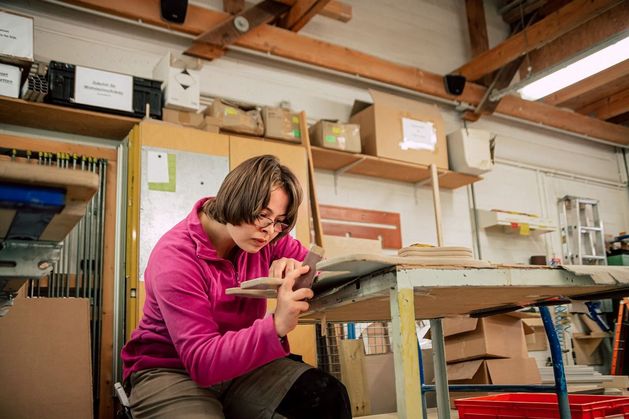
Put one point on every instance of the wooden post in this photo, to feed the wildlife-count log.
(314, 202)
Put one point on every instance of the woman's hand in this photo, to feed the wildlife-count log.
(290, 304)
(280, 267)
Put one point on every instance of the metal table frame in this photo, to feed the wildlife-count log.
(402, 282)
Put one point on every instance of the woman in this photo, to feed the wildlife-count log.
(199, 353)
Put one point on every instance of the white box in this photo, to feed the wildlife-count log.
(181, 77)
(10, 77)
(16, 36)
(103, 89)
(471, 151)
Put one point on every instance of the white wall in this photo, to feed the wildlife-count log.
(429, 34)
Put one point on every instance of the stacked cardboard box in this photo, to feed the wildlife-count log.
(490, 350)
(335, 135)
(190, 119)
(281, 124)
(401, 129)
(237, 118)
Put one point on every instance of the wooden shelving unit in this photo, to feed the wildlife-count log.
(103, 125)
(64, 119)
(361, 164)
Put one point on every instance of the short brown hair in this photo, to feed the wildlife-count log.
(246, 192)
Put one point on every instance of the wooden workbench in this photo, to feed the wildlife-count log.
(383, 289)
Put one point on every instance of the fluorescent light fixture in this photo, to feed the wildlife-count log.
(576, 71)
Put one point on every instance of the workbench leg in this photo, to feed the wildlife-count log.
(405, 357)
(441, 373)
(561, 387)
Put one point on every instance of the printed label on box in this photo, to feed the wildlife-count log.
(16, 36)
(418, 135)
(10, 80)
(103, 89)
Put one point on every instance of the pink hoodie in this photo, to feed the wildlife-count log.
(189, 323)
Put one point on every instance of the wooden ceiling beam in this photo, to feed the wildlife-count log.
(520, 12)
(554, 117)
(593, 32)
(503, 78)
(226, 33)
(287, 44)
(301, 13)
(477, 29)
(477, 26)
(608, 107)
(333, 9)
(618, 74)
(536, 36)
(338, 11)
(233, 7)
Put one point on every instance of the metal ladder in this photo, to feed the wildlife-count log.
(581, 229)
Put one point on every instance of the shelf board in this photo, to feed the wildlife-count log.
(501, 221)
(361, 164)
(65, 119)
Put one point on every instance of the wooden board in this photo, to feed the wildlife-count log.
(365, 264)
(64, 119)
(444, 302)
(80, 187)
(358, 223)
(352, 359)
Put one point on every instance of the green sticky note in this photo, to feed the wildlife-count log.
(330, 139)
(296, 133)
(171, 185)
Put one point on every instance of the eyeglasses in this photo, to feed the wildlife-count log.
(263, 222)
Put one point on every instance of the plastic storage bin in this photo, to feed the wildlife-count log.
(541, 405)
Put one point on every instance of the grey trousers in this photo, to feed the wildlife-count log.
(171, 393)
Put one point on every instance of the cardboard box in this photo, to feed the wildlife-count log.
(330, 134)
(492, 371)
(401, 129)
(499, 336)
(185, 118)
(536, 341)
(16, 37)
(46, 367)
(211, 124)
(281, 124)
(235, 119)
(181, 76)
(380, 376)
(10, 80)
(191, 120)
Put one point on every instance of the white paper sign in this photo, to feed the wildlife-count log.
(16, 36)
(103, 89)
(418, 135)
(157, 167)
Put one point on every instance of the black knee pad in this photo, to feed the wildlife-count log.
(316, 395)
